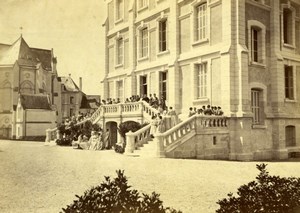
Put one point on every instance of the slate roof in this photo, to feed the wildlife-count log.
(35, 102)
(89, 103)
(69, 84)
(25, 55)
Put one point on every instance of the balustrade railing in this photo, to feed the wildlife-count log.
(193, 123)
(137, 139)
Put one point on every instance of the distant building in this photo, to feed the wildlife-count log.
(73, 100)
(241, 55)
(34, 114)
(23, 70)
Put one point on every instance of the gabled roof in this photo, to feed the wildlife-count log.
(25, 55)
(69, 84)
(35, 102)
(87, 103)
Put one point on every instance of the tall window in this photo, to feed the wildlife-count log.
(71, 100)
(142, 3)
(144, 42)
(120, 90)
(71, 112)
(120, 46)
(289, 82)
(201, 20)
(202, 80)
(257, 41)
(255, 106)
(290, 136)
(120, 5)
(163, 84)
(162, 35)
(254, 43)
(143, 85)
(287, 26)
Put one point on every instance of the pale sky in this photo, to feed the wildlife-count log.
(73, 28)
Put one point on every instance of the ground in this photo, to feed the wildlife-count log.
(38, 178)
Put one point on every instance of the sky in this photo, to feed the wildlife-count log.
(73, 28)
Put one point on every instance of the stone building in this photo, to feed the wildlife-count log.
(241, 55)
(23, 70)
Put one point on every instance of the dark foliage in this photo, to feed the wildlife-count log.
(115, 195)
(72, 131)
(64, 142)
(267, 194)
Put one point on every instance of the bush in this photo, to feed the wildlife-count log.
(115, 195)
(266, 194)
(64, 142)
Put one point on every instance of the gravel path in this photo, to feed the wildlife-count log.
(38, 178)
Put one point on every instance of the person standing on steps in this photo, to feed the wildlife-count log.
(153, 127)
(173, 116)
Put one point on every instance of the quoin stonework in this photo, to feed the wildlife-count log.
(241, 55)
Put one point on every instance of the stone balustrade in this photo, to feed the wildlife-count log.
(195, 123)
(141, 108)
(137, 139)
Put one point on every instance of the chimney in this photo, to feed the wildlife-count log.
(80, 83)
(69, 75)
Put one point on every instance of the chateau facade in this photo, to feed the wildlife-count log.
(241, 55)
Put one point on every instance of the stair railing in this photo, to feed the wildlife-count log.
(137, 139)
(191, 124)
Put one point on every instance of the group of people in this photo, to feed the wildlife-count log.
(97, 141)
(153, 100)
(76, 119)
(158, 122)
(206, 110)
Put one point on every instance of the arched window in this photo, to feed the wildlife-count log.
(27, 87)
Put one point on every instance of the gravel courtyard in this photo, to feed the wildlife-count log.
(38, 178)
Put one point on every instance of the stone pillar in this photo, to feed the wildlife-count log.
(159, 140)
(130, 143)
(48, 136)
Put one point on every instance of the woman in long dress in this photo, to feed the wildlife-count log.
(161, 124)
(153, 127)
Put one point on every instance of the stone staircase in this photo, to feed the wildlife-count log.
(148, 149)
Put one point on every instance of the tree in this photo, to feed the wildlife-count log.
(267, 194)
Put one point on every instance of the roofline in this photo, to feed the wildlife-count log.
(40, 49)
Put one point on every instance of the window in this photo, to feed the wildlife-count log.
(120, 47)
(163, 85)
(289, 82)
(71, 100)
(201, 19)
(290, 136)
(144, 42)
(142, 3)
(143, 85)
(27, 87)
(120, 6)
(162, 35)
(256, 42)
(71, 112)
(256, 106)
(120, 90)
(202, 80)
(287, 26)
